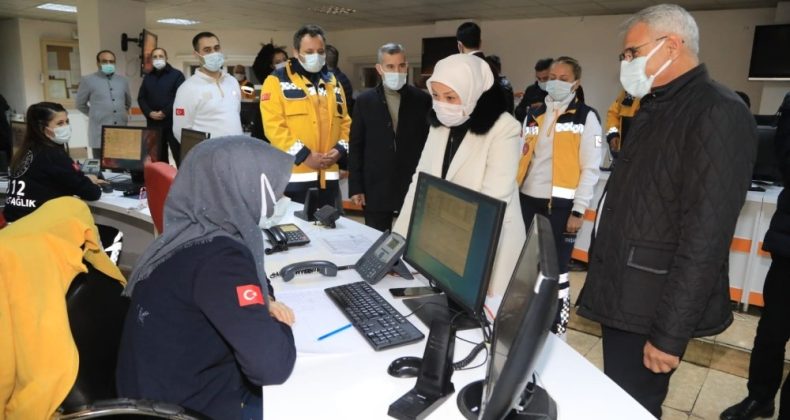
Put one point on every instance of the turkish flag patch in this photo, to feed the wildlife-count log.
(180, 111)
(266, 96)
(249, 295)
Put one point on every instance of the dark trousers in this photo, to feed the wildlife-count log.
(379, 220)
(297, 191)
(252, 406)
(558, 216)
(622, 363)
(773, 332)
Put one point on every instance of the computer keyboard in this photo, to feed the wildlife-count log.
(125, 185)
(381, 324)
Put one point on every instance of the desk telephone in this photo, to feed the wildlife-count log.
(283, 236)
(381, 258)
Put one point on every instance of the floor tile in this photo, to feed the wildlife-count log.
(719, 391)
(576, 278)
(595, 355)
(741, 333)
(669, 413)
(583, 324)
(731, 360)
(581, 342)
(699, 352)
(685, 385)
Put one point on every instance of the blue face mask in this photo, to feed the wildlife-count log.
(108, 69)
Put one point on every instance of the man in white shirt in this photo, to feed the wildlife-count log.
(210, 100)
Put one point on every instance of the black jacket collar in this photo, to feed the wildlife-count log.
(667, 92)
(487, 111)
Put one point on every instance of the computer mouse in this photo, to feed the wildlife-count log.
(405, 367)
(106, 188)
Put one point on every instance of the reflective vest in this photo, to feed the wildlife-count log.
(566, 140)
(291, 118)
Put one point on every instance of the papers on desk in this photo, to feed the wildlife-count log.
(347, 244)
(316, 315)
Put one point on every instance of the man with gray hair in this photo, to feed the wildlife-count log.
(388, 131)
(658, 272)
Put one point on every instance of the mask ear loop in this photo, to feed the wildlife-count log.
(266, 187)
(662, 68)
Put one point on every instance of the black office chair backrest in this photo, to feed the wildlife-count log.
(112, 241)
(96, 313)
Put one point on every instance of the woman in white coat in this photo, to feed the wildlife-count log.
(475, 143)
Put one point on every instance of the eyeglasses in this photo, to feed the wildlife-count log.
(629, 54)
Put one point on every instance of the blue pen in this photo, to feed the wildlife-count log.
(333, 332)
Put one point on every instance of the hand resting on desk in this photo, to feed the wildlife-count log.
(282, 313)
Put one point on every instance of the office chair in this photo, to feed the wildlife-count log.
(96, 312)
(158, 177)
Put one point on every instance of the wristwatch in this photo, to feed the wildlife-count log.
(576, 214)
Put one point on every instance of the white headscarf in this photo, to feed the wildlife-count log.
(468, 75)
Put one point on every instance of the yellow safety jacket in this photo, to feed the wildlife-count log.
(299, 119)
(618, 118)
(566, 141)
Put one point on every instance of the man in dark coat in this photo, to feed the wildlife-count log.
(156, 96)
(773, 330)
(658, 272)
(388, 132)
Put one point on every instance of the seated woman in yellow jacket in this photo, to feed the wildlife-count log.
(41, 169)
(561, 155)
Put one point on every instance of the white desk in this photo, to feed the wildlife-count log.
(342, 377)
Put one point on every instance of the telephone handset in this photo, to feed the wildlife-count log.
(382, 257)
(283, 236)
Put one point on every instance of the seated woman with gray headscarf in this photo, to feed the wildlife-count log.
(203, 328)
(473, 142)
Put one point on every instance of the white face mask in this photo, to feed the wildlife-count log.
(450, 115)
(280, 207)
(559, 90)
(61, 134)
(239, 77)
(159, 63)
(633, 77)
(313, 62)
(279, 65)
(214, 61)
(542, 85)
(394, 80)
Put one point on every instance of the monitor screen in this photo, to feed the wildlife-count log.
(435, 49)
(766, 165)
(125, 148)
(767, 62)
(452, 240)
(18, 130)
(522, 323)
(149, 43)
(189, 139)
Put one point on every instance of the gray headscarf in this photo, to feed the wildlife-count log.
(217, 192)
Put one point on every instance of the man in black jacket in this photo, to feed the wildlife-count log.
(156, 96)
(773, 330)
(658, 272)
(535, 94)
(388, 131)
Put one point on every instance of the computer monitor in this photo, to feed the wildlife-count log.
(18, 131)
(521, 327)
(127, 149)
(452, 240)
(766, 165)
(189, 139)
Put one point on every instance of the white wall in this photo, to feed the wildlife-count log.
(725, 46)
(11, 76)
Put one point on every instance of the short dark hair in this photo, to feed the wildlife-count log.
(200, 36)
(332, 56)
(468, 34)
(543, 64)
(575, 66)
(745, 98)
(100, 53)
(159, 48)
(309, 29)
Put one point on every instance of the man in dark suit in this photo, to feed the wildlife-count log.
(388, 131)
